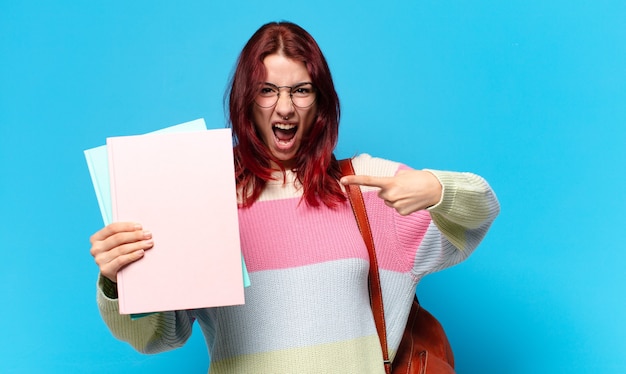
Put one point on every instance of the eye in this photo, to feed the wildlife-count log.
(267, 91)
(303, 90)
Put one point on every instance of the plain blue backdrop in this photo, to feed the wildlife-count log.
(529, 94)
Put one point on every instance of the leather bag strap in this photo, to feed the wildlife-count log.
(376, 296)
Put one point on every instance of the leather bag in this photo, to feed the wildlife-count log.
(424, 347)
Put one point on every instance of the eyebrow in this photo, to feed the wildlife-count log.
(294, 86)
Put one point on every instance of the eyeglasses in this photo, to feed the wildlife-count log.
(302, 95)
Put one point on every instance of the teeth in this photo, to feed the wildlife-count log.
(284, 126)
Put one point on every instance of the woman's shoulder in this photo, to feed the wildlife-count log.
(365, 164)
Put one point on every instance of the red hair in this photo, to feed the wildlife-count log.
(317, 167)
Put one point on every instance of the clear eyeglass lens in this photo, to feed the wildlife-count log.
(302, 95)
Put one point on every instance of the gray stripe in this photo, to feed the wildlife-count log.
(337, 309)
(436, 253)
(398, 292)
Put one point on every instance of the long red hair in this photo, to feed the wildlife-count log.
(317, 168)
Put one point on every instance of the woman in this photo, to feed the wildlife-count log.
(307, 309)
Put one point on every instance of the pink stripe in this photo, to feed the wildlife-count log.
(396, 237)
(285, 233)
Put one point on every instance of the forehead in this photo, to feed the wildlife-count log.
(283, 71)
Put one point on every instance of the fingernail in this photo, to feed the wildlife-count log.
(149, 243)
(147, 234)
(137, 226)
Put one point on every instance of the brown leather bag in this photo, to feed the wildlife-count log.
(424, 348)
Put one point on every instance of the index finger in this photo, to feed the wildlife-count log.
(365, 180)
(114, 228)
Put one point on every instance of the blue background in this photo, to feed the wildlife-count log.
(529, 94)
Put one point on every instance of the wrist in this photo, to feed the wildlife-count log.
(109, 288)
(436, 188)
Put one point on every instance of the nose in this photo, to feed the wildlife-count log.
(284, 107)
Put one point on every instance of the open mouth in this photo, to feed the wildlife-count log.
(284, 133)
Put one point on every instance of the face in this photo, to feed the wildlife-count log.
(283, 125)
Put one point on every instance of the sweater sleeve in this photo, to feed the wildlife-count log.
(460, 221)
(154, 333)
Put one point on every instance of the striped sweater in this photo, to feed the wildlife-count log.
(307, 309)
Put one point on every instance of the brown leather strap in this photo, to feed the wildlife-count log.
(376, 295)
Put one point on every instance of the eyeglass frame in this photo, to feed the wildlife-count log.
(291, 90)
